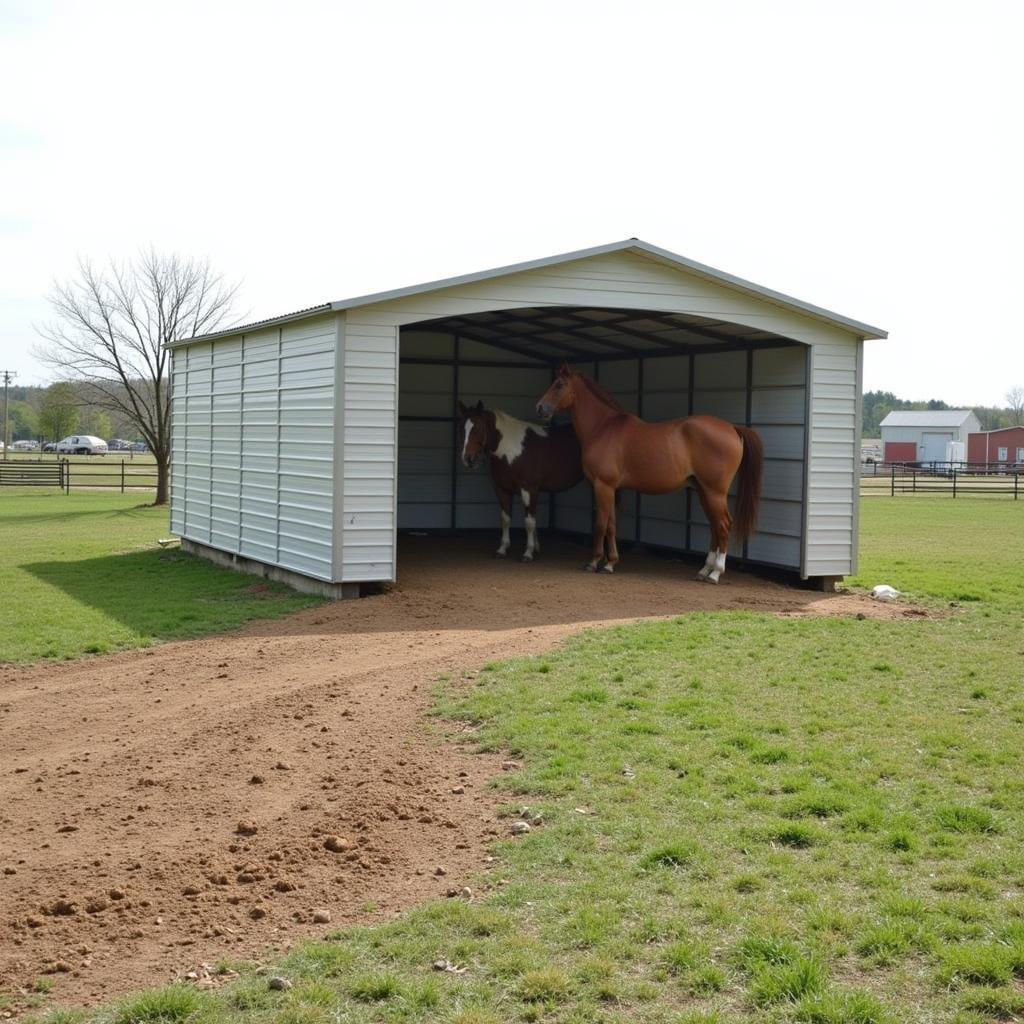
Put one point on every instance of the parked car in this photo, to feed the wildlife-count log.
(139, 446)
(50, 446)
(82, 444)
(25, 446)
(118, 444)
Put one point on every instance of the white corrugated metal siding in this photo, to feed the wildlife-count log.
(834, 459)
(369, 435)
(253, 445)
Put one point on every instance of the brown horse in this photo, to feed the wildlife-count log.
(622, 450)
(525, 459)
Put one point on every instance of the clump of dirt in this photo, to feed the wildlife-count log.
(223, 798)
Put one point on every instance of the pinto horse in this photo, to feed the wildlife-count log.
(622, 450)
(524, 459)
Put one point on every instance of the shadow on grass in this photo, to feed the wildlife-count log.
(55, 516)
(166, 595)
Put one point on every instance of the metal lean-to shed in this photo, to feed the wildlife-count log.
(302, 445)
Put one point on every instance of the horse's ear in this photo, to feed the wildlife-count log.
(564, 370)
(479, 405)
(463, 410)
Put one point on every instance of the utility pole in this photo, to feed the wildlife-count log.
(8, 376)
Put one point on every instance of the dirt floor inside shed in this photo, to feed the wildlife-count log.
(171, 807)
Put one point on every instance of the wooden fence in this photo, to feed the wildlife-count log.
(85, 472)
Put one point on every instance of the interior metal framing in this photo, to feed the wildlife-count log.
(546, 336)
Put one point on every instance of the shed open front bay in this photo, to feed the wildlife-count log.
(304, 444)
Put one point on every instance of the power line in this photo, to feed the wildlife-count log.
(9, 375)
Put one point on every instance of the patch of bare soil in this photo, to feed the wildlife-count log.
(222, 798)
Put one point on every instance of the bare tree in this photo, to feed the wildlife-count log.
(111, 329)
(1015, 403)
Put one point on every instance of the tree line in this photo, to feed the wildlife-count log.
(878, 404)
(54, 412)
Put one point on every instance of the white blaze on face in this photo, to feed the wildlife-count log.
(465, 443)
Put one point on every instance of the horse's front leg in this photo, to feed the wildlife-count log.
(530, 505)
(505, 501)
(604, 499)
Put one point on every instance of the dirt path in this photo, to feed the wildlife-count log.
(124, 779)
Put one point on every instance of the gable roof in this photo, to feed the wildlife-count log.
(1002, 430)
(626, 245)
(926, 418)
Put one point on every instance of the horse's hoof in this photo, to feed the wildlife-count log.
(499, 554)
(607, 568)
(526, 558)
(705, 579)
(590, 567)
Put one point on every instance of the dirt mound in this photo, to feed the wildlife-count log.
(221, 798)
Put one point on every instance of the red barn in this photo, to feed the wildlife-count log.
(1005, 445)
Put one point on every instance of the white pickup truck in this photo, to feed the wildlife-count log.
(82, 444)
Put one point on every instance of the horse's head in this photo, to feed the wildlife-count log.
(478, 437)
(560, 395)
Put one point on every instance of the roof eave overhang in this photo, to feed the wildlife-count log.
(855, 327)
(865, 331)
(260, 325)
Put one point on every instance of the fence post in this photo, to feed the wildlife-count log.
(122, 475)
(913, 481)
(954, 481)
(1016, 481)
(67, 476)
(892, 483)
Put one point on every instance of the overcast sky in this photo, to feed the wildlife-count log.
(863, 156)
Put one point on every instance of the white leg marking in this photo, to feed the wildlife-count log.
(709, 563)
(465, 443)
(506, 521)
(719, 567)
(531, 527)
(531, 538)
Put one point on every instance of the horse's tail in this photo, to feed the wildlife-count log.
(748, 485)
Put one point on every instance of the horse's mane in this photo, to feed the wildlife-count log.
(599, 392)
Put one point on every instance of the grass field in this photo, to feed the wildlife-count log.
(83, 574)
(743, 818)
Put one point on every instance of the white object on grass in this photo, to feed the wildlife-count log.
(883, 592)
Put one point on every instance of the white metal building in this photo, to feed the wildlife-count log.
(910, 435)
(302, 445)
